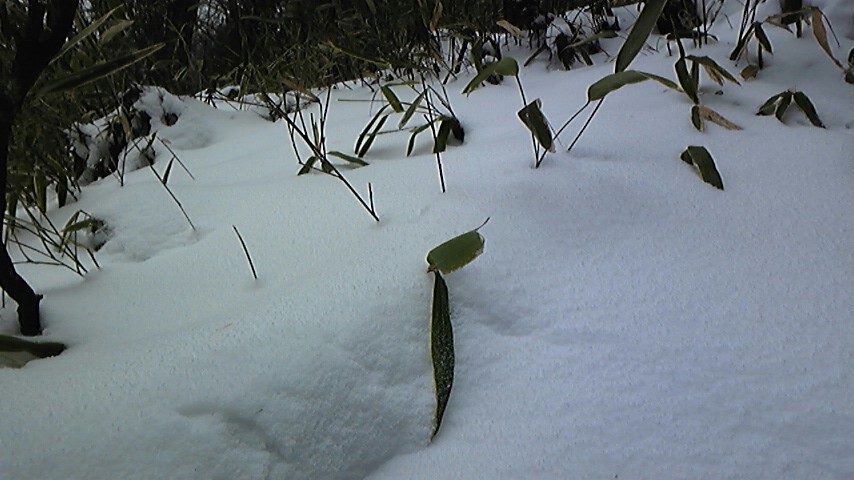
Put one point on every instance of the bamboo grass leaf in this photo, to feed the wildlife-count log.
(808, 108)
(456, 252)
(441, 349)
(702, 159)
(640, 31)
(349, 158)
(410, 111)
(392, 99)
(820, 34)
(535, 121)
(615, 81)
(762, 38)
(97, 71)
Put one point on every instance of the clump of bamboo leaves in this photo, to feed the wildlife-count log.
(779, 104)
(531, 115)
(752, 29)
(442, 123)
(312, 134)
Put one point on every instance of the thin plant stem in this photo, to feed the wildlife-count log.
(246, 252)
(584, 127)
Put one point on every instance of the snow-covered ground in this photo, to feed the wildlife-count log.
(626, 320)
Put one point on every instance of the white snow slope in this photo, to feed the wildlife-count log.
(626, 320)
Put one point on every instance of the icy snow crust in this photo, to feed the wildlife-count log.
(625, 320)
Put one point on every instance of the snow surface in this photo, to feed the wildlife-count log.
(626, 320)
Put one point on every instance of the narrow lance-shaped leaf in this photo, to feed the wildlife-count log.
(113, 31)
(441, 349)
(507, 66)
(348, 158)
(366, 138)
(807, 107)
(308, 165)
(441, 141)
(770, 105)
(392, 99)
(410, 111)
(168, 171)
(697, 118)
(783, 105)
(456, 252)
(618, 80)
(742, 43)
(532, 117)
(82, 34)
(820, 33)
(702, 159)
(640, 31)
(97, 71)
(762, 38)
(713, 69)
(415, 132)
(707, 113)
(686, 81)
(40, 186)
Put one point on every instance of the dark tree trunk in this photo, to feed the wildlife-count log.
(36, 42)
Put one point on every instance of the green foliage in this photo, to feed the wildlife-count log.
(778, 104)
(700, 158)
(640, 31)
(447, 257)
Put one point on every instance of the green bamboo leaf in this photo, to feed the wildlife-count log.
(770, 105)
(61, 193)
(168, 171)
(441, 349)
(369, 132)
(82, 34)
(702, 159)
(640, 31)
(97, 71)
(762, 38)
(349, 158)
(369, 140)
(742, 43)
(532, 117)
(783, 105)
(410, 111)
(594, 38)
(697, 118)
(713, 69)
(440, 143)
(300, 88)
(307, 166)
(392, 99)
(415, 132)
(807, 107)
(40, 187)
(86, 224)
(456, 252)
(618, 80)
(686, 81)
(114, 30)
(39, 349)
(481, 77)
(507, 66)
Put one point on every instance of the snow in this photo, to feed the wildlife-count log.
(626, 320)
